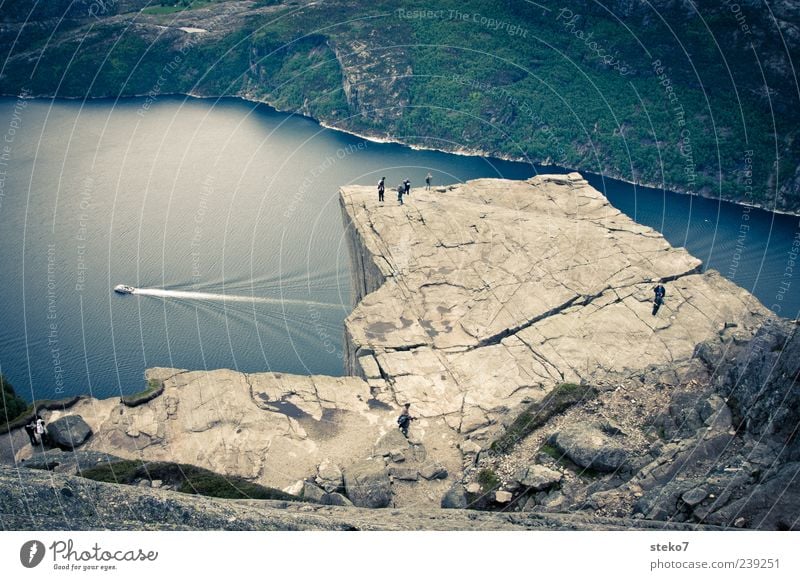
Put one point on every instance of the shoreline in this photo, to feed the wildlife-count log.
(389, 140)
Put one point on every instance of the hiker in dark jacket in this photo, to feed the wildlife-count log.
(428, 181)
(30, 429)
(404, 420)
(381, 188)
(400, 190)
(659, 292)
(407, 185)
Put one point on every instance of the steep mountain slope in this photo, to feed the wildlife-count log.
(698, 97)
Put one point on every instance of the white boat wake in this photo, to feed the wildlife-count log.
(183, 295)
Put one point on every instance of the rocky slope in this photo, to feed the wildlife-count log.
(479, 301)
(712, 439)
(36, 500)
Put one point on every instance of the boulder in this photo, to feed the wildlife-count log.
(312, 492)
(296, 488)
(503, 496)
(391, 442)
(368, 484)
(469, 447)
(69, 432)
(329, 476)
(663, 503)
(588, 447)
(433, 471)
(538, 477)
(710, 351)
(335, 499)
(473, 487)
(403, 473)
(683, 418)
(694, 496)
(716, 415)
(455, 498)
(555, 501)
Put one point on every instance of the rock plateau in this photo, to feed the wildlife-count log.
(473, 302)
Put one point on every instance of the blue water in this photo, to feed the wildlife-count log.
(231, 198)
(756, 249)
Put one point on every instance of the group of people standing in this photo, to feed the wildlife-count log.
(404, 188)
(36, 430)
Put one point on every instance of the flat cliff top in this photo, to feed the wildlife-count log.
(497, 290)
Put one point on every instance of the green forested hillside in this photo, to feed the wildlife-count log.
(702, 99)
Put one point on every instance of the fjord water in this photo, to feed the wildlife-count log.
(226, 213)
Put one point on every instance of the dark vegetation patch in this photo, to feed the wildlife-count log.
(11, 405)
(488, 480)
(16, 412)
(154, 389)
(185, 479)
(535, 415)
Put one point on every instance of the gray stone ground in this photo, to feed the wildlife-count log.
(37, 500)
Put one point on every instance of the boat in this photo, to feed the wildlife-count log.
(124, 289)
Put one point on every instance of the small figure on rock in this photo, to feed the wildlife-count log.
(30, 429)
(404, 420)
(428, 181)
(660, 292)
(407, 185)
(400, 190)
(41, 430)
(381, 188)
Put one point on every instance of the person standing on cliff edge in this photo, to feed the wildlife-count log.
(659, 292)
(381, 188)
(428, 181)
(400, 189)
(407, 185)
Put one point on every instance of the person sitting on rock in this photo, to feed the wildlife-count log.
(660, 292)
(404, 420)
